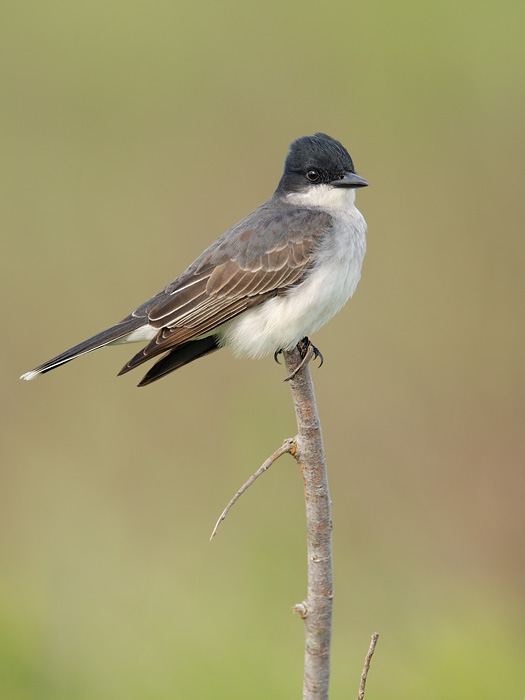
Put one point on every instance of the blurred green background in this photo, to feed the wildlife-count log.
(132, 135)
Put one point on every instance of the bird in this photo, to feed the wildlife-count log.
(264, 286)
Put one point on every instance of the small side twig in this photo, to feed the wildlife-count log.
(366, 667)
(288, 446)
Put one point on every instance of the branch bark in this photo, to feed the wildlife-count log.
(316, 610)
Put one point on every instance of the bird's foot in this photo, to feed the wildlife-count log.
(308, 351)
(275, 356)
(304, 345)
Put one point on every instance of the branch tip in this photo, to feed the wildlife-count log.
(306, 359)
(366, 667)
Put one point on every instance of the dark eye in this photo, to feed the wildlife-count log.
(312, 175)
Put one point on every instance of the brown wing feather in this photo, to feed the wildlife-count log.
(172, 336)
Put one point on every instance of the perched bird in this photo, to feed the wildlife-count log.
(266, 284)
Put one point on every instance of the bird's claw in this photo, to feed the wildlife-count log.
(307, 350)
(318, 354)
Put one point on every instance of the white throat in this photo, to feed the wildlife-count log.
(324, 196)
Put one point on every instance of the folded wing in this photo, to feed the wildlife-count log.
(243, 268)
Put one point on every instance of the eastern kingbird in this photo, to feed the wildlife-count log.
(269, 282)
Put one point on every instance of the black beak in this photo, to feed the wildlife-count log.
(350, 180)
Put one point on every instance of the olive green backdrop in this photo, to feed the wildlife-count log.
(132, 135)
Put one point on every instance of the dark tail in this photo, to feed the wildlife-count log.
(178, 357)
(94, 343)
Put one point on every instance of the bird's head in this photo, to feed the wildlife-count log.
(318, 170)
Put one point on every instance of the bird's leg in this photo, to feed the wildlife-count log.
(307, 350)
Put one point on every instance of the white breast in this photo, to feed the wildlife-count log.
(281, 322)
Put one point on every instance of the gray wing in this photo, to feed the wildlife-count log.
(260, 257)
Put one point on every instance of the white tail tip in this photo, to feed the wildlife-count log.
(29, 375)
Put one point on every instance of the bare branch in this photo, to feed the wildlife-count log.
(288, 446)
(366, 667)
(307, 448)
(316, 610)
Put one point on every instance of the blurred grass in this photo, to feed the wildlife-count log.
(131, 136)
